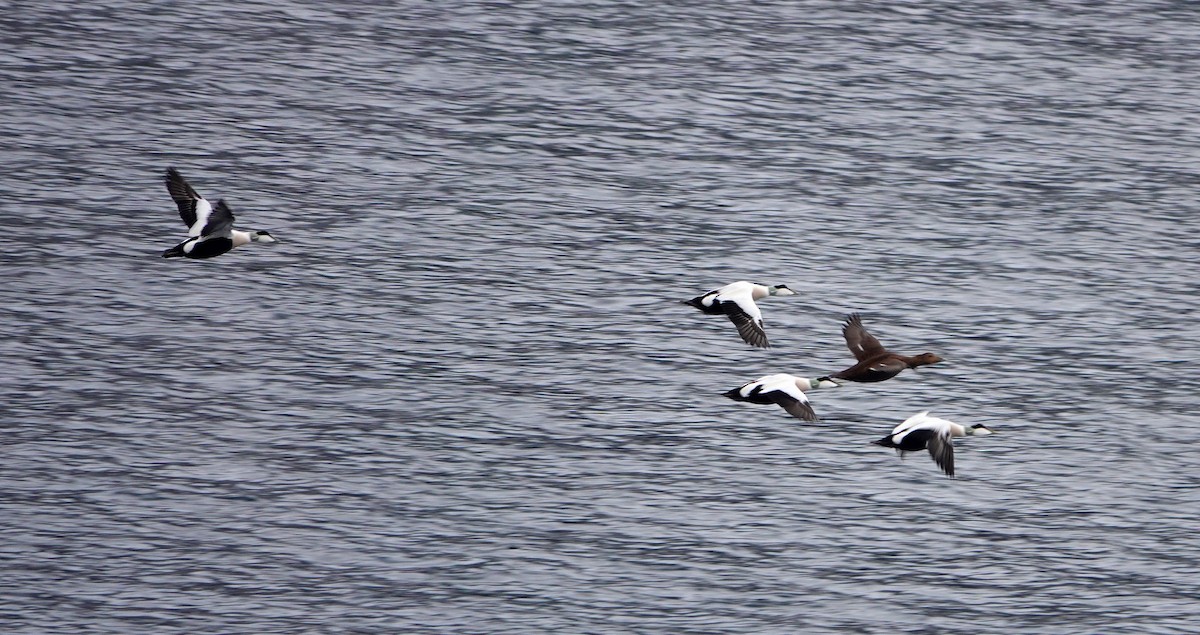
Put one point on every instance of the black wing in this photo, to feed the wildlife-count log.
(795, 407)
(942, 451)
(220, 222)
(185, 197)
(748, 327)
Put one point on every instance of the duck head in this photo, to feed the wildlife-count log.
(924, 359)
(262, 236)
(979, 429)
(781, 289)
(823, 382)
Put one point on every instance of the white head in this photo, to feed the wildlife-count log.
(261, 236)
(979, 429)
(781, 289)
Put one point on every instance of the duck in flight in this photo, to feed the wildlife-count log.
(736, 300)
(875, 363)
(210, 229)
(923, 432)
(783, 389)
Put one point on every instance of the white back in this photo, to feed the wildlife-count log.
(785, 384)
(203, 210)
(741, 294)
(922, 421)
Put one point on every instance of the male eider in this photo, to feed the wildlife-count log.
(210, 230)
(783, 389)
(736, 300)
(923, 432)
(875, 363)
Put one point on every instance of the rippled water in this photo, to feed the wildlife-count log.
(461, 395)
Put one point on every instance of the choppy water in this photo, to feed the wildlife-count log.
(461, 395)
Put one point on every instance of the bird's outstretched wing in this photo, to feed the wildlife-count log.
(942, 450)
(193, 208)
(794, 402)
(858, 340)
(744, 314)
(220, 222)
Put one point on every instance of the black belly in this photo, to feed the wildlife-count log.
(916, 440)
(211, 247)
(757, 396)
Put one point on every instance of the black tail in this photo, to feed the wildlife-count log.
(885, 442)
(694, 302)
(174, 252)
(735, 394)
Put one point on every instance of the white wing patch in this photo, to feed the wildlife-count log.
(203, 210)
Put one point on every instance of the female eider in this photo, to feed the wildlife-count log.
(875, 363)
(783, 389)
(210, 230)
(923, 432)
(736, 300)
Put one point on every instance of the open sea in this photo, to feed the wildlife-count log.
(461, 395)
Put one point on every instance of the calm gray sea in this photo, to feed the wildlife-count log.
(461, 395)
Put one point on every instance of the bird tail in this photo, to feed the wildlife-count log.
(694, 302)
(174, 252)
(885, 442)
(735, 394)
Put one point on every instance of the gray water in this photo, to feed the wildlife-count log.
(461, 395)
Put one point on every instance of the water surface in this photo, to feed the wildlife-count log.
(461, 395)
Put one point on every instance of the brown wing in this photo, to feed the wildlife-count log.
(889, 367)
(880, 370)
(859, 341)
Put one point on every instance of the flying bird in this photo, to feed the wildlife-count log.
(785, 390)
(875, 363)
(210, 229)
(736, 300)
(923, 432)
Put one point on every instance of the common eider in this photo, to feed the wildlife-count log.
(736, 300)
(210, 229)
(923, 432)
(875, 363)
(784, 390)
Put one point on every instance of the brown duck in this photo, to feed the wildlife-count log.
(875, 363)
